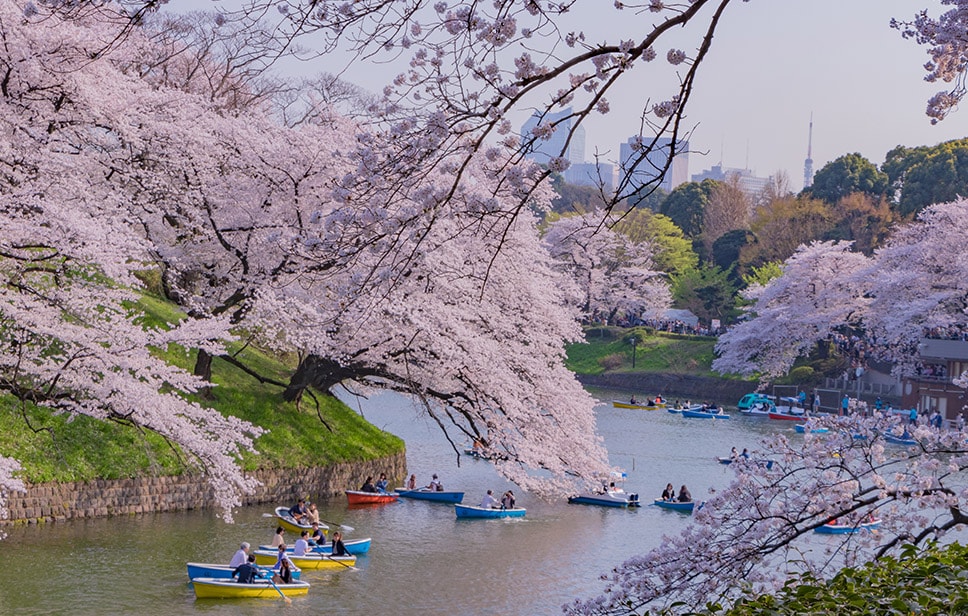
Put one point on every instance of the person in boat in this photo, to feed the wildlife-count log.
(658, 400)
(240, 556)
(302, 544)
(412, 482)
(435, 485)
(684, 495)
(507, 501)
(381, 484)
(368, 485)
(282, 570)
(247, 571)
(312, 514)
(298, 511)
(489, 502)
(669, 494)
(278, 539)
(339, 548)
(745, 454)
(733, 454)
(284, 573)
(632, 400)
(316, 535)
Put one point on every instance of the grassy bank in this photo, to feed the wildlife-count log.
(54, 448)
(609, 350)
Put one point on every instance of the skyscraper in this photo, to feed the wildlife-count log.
(648, 168)
(542, 150)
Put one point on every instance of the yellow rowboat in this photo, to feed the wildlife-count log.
(282, 517)
(220, 588)
(643, 407)
(308, 561)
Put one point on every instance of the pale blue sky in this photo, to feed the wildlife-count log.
(772, 63)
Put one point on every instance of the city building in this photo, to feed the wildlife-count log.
(932, 389)
(590, 174)
(750, 184)
(543, 150)
(643, 171)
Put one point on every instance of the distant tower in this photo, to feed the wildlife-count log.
(808, 164)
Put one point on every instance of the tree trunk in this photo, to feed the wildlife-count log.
(203, 369)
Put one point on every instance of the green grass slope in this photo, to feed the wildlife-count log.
(59, 448)
(609, 349)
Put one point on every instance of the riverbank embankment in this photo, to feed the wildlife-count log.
(61, 501)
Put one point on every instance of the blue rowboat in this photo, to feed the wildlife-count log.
(802, 429)
(846, 529)
(675, 505)
(608, 499)
(900, 440)
(468, 511)
(430, 495)
(355, 547)
(223, 572)
(703, 414)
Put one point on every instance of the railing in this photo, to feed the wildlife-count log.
(851, 387)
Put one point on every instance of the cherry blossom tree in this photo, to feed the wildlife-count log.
(613, 273)
(254, 231)
(948, 49)
(914, 284)
(758, 532)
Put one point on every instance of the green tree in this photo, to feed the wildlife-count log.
(685, 206)
(707, 291)
(726, 249)
(648, 198)
(848, 174)
(673, 252)
(763, 274)
(925, 175)
(783, 225)
(863, 219)
(573, 198)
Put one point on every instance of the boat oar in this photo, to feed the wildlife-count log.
(278, 590)
(342, 527)
(350, 567)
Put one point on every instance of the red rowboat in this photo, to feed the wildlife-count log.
(786, 417)
(355, 497)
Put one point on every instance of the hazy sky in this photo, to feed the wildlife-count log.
(772, 64)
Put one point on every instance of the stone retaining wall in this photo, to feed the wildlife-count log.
(49, 502)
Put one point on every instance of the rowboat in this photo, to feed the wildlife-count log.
(637, 405)
(468, 511)
(355, 497)
(704, 414)
(785, 417)
(281, 514)
(219, 588)
(846, 529)
(900, 440)
(607, 499)
(308, 561)
(224, 572)
(764, 463)
(356, 546)
(431, 495)
(475, 453)
(759, 409)
(675, 505)
(802, 429)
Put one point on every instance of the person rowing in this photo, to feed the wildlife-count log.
(489, 502)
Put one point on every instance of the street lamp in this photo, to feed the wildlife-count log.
(634, 341)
